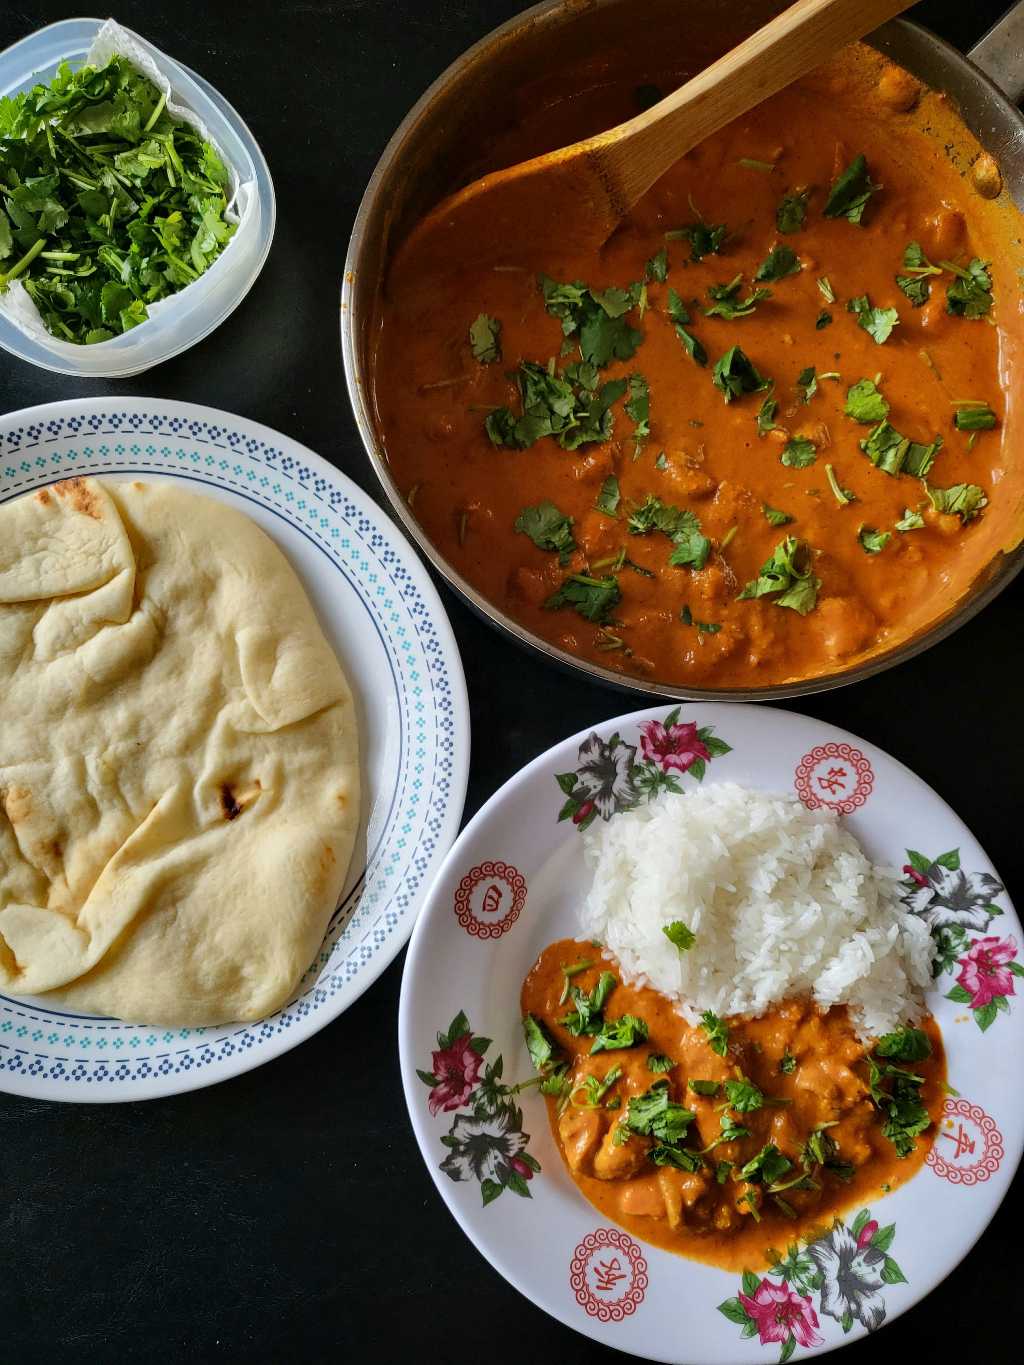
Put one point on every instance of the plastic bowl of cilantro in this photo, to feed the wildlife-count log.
(136, 208)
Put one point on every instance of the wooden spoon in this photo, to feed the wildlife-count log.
(585, 190)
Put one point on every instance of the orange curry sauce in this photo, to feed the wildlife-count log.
(432, 398)
(691, 1213)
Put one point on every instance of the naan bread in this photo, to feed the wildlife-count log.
(179, 780)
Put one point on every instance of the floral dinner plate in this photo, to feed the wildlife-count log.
(380, 611)
(512, 884)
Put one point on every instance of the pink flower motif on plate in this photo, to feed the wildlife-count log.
(673, 747)
(985, 970)
(780, 1313)
(457, 1068)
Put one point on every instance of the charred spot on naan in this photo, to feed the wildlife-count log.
(235, 799)
(81, 497)
(43, 497)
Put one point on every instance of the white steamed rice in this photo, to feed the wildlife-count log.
(782, 899)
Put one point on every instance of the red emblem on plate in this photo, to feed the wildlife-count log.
(834, 775)
(490, 899)
(608, 1275)
(969, 1147)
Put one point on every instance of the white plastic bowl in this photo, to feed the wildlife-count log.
(196, 310)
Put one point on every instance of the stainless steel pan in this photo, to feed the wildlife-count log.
(449, 137)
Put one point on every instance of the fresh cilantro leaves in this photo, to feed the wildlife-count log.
(657, 1062)
(798, 452)
(656, 269)
(727, 303)
(596, 317)
(970, 294)
(735, 375)
(873, 542)
(109, 203)
(905, 1117)
(877, 322)
(744, 1096)
(691, 547)
(570, 406)
(638, 409)
(766, 416)
(716, 1031)
(842, 495)
(680, 319)
(626, 1031)
(911, 520)
(780, 262)
(767, 1167)
(706, 1088)
(774, 516)
(654, 1114)
(896, 454)
(609, 496)
(594, 598)
(905, 1045)
(703, 627)
(864, 402)
(964, 500)
(792, 211)
(705, 239)
(788, 1063)
(679, 935)
(915, 282)
(548, 528)
(485, 339)
(850, 192)
(806, 384)
(787, 578)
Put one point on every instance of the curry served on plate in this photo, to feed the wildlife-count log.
(722, 1139)
(759, 436)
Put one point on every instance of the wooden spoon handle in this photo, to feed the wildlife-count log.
(631, 157)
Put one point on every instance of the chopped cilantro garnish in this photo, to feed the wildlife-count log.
(638, 409)
(680, 935)
(895, 454)
(653, 1114)
(731, 1131)
(680, 318)
(485, 339)
(727, 303)
(691, 547)
(970, 294)
(964, 500)
(656, 269)
(716, 1031)
(910, 521)
(915, 283)
(658, 1062)
(905, 1115)
(792, 211)
(735, 375)
(780, 262)
(798, 452)
(788, 1063)
(548, 528)
(596, 317)
(767, 1166)
(109, 203)
(826, 290)
(608, 498)
(626, 1031)
(680, 1157)
(587, 1016)
(864, 402)
(722, 1169)
(974, 417)
(744, 1095)
(706, 1088)
(806, 384)
(705, 239)
(842, 495)
(569, 406)
(538, 1042)
(766, 416)
(850, 192)
(877, 322)
(775, 516)
(873, 542)
(905, 1045)
(662, 461)
(594, 1090)
(823, 320)
(593, 598)
(782, 579)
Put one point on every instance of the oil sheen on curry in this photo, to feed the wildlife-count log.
(758, 437)
(720, 1140)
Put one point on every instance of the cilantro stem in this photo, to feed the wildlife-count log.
(160, 104)
(23, 264)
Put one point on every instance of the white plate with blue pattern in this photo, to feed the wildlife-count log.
(384, 618)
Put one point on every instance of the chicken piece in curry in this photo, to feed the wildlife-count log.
(723, 1139)
(758, 437)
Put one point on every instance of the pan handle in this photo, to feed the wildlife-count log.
(999, 53)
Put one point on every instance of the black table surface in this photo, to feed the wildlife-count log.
(287, 1214)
